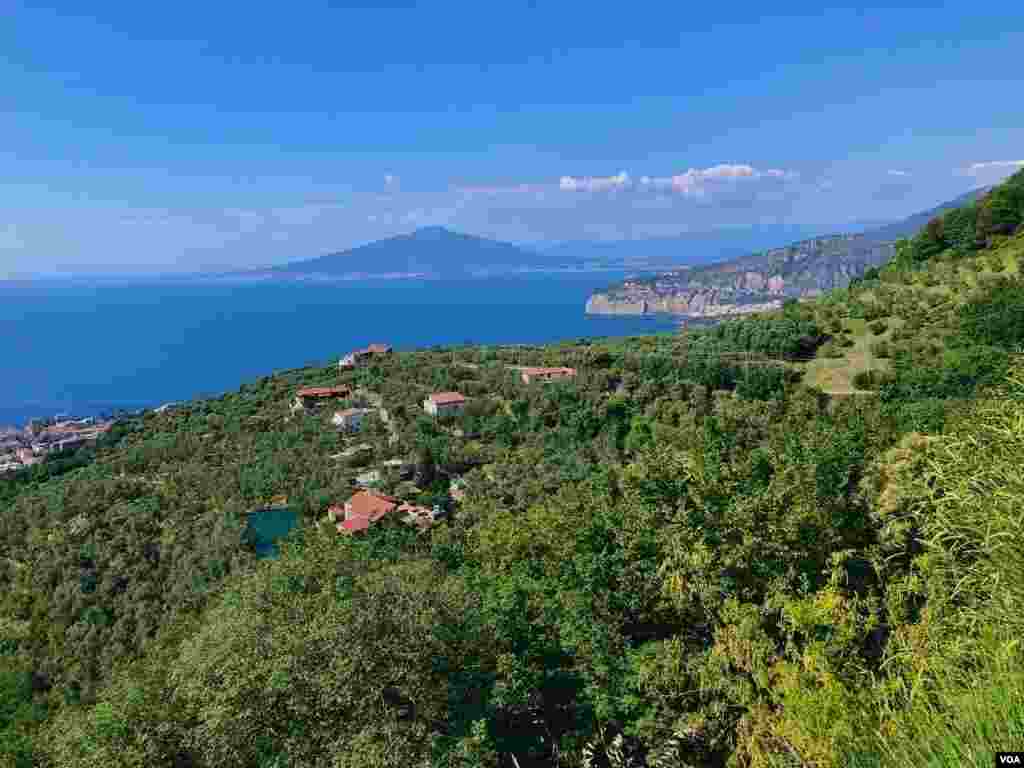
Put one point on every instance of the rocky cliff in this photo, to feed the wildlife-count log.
(698, 304)
(738, 286)
(805, 268)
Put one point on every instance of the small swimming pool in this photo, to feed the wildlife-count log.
(270, 525)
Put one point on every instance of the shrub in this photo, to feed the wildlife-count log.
(997, 317)
(831, 350)
(879, 327)
(869, 379)
(955, 375)
(880, 349)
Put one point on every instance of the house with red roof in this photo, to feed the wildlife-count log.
(362, 510)
(311, 397)
(422, 517)
(530, 375)
(444, 403)
(362, 356)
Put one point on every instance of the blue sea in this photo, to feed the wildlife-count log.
(89, 347)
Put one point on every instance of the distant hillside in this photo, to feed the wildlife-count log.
(912, 224)
(440, 252)
(694, 248)
(429, 251)
(806, 268)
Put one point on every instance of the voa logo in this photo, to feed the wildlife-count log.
(1009, 758)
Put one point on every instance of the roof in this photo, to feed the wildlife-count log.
(324, 392)
(414, 509)
(371, 506)
(378, 348)
(354, 525)
(538, 370)
(446, 398)
(353, 412)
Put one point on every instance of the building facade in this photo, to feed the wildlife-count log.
(544, 375)
(444, 404)
(351, 419)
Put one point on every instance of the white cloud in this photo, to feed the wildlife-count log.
(897, 173)
(994, 165)
(695, 181)
(593, 183)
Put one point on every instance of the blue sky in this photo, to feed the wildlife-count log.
(206, 135)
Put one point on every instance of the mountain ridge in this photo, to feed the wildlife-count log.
(428, 251)
(762, 280)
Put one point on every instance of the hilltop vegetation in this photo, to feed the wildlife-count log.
(775, 542)
(803, 269)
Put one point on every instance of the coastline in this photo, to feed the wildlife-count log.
(601, 304)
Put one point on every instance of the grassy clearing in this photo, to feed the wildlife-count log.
(955, 281)
(835, 375)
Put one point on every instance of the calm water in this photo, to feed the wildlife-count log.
(85, 348)
(270, 525)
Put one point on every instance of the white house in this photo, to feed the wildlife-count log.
(351, 419)
(444, 403)
(368, 478)
(532, 374)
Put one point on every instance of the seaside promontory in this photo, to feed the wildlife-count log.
(763, 280)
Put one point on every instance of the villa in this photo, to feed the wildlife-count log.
(531, 375)
(310, 397)
(361, 511)
(444, 404)
(422, 517)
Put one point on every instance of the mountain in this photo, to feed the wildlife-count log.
(685, 249)
(440, 252)
(909, 226)
(429, 251)
(761, 280)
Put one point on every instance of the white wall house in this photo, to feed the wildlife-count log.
(444, 403)
(351, 419)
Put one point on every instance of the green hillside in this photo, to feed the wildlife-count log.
(788, 540)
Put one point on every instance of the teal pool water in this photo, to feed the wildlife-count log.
(270, 525)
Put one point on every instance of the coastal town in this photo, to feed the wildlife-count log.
(21, 448)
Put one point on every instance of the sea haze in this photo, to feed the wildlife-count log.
(86, 347)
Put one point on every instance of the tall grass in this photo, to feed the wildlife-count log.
(952, 689)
